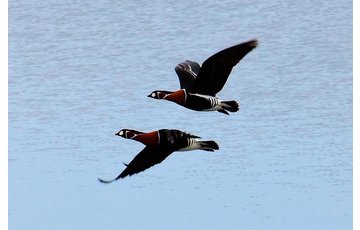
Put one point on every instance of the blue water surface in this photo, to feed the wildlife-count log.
(79, 71)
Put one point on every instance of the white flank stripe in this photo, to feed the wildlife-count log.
(192, 145)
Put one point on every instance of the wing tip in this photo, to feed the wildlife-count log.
(253, 42)
(105, 181)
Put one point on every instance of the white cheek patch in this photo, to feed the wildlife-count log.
(153, 94)
(121, 133)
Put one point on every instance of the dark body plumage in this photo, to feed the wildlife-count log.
(159, 145)
(197, 103)
(199, 85)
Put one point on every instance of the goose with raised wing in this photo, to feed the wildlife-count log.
(200, 84)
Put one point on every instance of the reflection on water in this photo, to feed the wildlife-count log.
(79, 72)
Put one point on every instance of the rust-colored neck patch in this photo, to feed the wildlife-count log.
(151, 138)
(178, 97)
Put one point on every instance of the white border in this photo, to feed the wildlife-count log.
(356, 114)
(4, 115)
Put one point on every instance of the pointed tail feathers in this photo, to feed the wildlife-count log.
(231, 106)
(208, 145)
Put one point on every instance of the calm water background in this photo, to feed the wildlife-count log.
(79, 71)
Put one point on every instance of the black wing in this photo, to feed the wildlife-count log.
(147, 158)
(215, 71)
(187, 72)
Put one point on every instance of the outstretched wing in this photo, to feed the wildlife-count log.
(215, 71)
(187, 72)
(147, 158)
